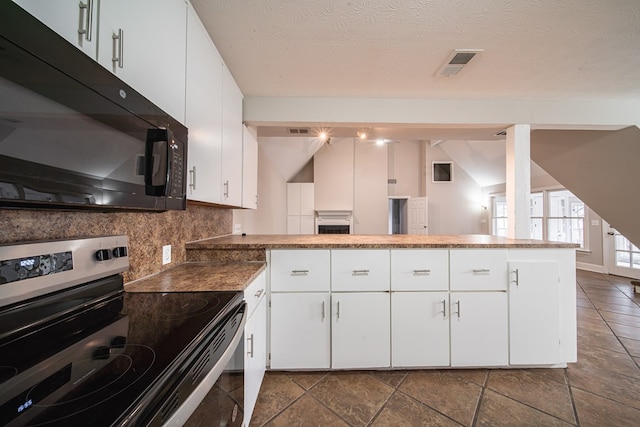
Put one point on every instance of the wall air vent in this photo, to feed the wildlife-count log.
(298, 131)
(456, 62)
(501, 133)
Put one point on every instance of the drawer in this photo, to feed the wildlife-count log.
(360, 270)
(478, 269)
(255, 292)
(419, 270)
(303, 270)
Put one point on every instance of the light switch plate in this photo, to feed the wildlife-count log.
(237, 228)
(166, 254)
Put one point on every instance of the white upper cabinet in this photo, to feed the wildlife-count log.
(203, 113)
(231, 140)
(144, 43)
(75, 20)
(249, 168)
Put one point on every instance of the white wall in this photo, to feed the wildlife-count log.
(271, 215)
(371, 210)
(409, 180)
(333, 168)
(454, 207)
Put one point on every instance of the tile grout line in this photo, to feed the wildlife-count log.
(476, 412)
(382, 407)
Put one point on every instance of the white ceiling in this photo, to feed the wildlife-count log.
(532, 50)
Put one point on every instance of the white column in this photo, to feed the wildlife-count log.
(518, 181)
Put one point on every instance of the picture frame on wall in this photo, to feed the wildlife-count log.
(442, 172)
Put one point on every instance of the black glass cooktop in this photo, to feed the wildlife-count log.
(108, 363)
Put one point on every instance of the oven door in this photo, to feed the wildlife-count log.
(217, 399)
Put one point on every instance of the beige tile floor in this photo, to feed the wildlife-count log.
(601, 389)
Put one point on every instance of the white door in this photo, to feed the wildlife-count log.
(300, 331)
(623, 256)
(534, 313)
(418, 216)
(75, 20)
(479, 329)
(419, 329)
(361, 330)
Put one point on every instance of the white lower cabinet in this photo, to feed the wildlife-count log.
(300, 330)
(255, 344)
(479, 329)
(419, 329)
(534, 313)
(361, 331)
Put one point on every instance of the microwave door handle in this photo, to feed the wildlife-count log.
(155, 138)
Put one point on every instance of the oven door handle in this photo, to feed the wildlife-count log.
(180, 416)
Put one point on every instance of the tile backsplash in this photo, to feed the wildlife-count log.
(147, 232)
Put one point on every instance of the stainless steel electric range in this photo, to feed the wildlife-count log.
(75, 349)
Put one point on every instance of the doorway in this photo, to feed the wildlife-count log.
(622, 257)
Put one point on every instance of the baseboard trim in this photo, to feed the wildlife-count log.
(590, 267)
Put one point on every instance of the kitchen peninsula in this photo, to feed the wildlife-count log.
(409, 301)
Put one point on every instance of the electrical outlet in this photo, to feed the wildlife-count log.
(237, 228)
(166, 254)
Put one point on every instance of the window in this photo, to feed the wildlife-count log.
(499, 216)
(556, 215)
(565, 222)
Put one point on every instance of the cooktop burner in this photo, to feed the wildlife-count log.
(100, 373)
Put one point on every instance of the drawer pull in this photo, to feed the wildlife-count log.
(360, 272)
(421, 272)
(481, 271)
(259, 293)
(299, 272)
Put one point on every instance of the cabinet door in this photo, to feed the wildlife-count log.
(249, 168)
(360, 270)
(303, 270)
(151, 52)
(255, 356)
(419, 270)
(306, 199)
(419, 329)
(231, 140)
(479, 325)
(300, 331)
(75, 20)
(203, 113)
(534, 313)
(293, 198)
(293, 224)
(478, 269)
(360, 330)
(307, 224)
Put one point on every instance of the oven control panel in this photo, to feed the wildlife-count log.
(36, 268)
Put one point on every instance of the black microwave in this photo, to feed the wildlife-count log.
(73, 135)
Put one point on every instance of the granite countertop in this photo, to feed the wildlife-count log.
(199, 277)
(346, 241)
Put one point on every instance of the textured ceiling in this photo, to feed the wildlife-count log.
(537, 49)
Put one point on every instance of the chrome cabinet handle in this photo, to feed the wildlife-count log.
(421, 272)
(85, 25)
(226, 189)
(299, 272)
(118, 45)
(444, 308)
(517, 280)
(338, 310)
(260, 291)
(192, 172)
(250, 352)
(458, 311)
(360, 273)
(481, 271)
(323, 312)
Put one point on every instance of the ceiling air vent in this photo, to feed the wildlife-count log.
(298, 131)
(458, 59)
